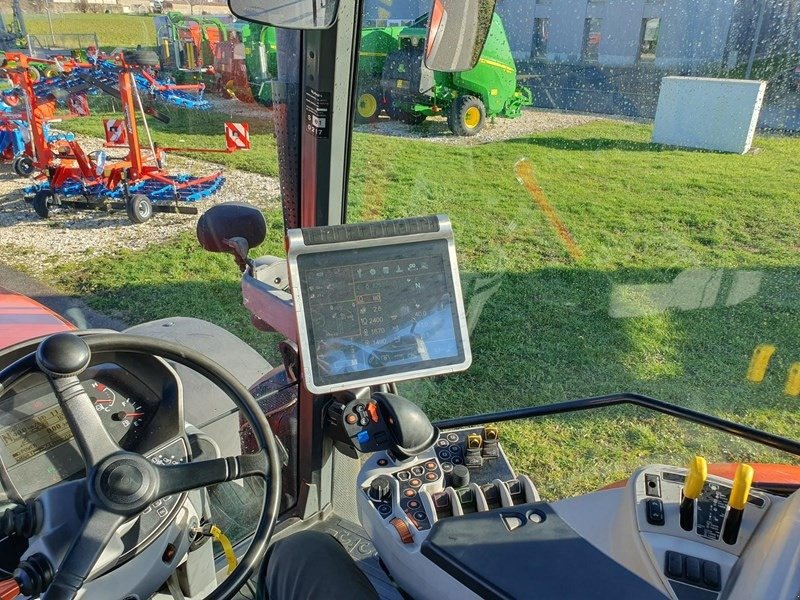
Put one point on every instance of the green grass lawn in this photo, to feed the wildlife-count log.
(111, 30)
(546, 328)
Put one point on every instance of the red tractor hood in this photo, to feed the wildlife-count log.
(22, 319)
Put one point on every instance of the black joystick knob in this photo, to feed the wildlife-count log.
(63, 355)
(380, 489)
(459, 476)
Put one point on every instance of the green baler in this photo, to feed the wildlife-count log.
(260, 58)
(376, 44)
(392, 77)
(414, 92)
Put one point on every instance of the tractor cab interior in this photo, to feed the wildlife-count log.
(166, 460)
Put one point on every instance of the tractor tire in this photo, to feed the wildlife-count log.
(142, 58)
(23, 165)
(139, 208)
(368, 106)
(34, 74)
(51, 72)
(41, 203)
(467, 116)
(409, 118)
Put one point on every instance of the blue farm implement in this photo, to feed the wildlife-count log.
(104, 75)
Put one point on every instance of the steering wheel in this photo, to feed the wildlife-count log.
(119, 484)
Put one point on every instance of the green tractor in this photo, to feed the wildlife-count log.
(413, 92)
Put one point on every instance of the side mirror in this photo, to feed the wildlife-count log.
(457, 31)
(232, 227)
(288, 14)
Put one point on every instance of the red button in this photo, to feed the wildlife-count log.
(372, 409)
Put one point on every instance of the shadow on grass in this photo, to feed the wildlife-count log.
(596, 144)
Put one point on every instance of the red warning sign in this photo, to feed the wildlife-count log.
(115, 131)
(237, 136)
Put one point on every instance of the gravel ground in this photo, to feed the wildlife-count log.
(235, 108)
(69, 236)
(435, 129)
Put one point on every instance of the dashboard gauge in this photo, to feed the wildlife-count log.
(103, 396)
(129, 413)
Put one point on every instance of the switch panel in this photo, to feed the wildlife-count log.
(692, 570)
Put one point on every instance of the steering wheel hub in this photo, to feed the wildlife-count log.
(125, 483)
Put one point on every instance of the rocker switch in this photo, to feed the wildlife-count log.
(655, 511)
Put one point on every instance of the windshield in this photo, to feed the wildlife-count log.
(612, 236)
(622, 180)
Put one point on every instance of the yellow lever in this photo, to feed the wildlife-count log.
(741, 486)
(698, 472)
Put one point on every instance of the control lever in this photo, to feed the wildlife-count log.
(739, 493)
(473, 458)
(491, 439)
(692, 487)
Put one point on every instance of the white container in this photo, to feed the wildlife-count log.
(713, 114)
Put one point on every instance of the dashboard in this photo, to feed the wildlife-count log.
(456, 522)
(136, 396)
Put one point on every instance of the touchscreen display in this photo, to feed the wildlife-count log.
(377, 311)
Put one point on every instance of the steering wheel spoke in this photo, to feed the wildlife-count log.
(84, 422)
(174, 479)
(62, 357)
(98, 528)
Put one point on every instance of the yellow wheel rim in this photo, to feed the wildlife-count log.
(472, 117)
(367, 105)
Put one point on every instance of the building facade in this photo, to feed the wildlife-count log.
(675, 35)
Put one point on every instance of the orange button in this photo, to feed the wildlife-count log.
(410, 493)
(351, 419)
(372, 409)
(415, 483)
(402, 530)
(430, 465)
(431, 476)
